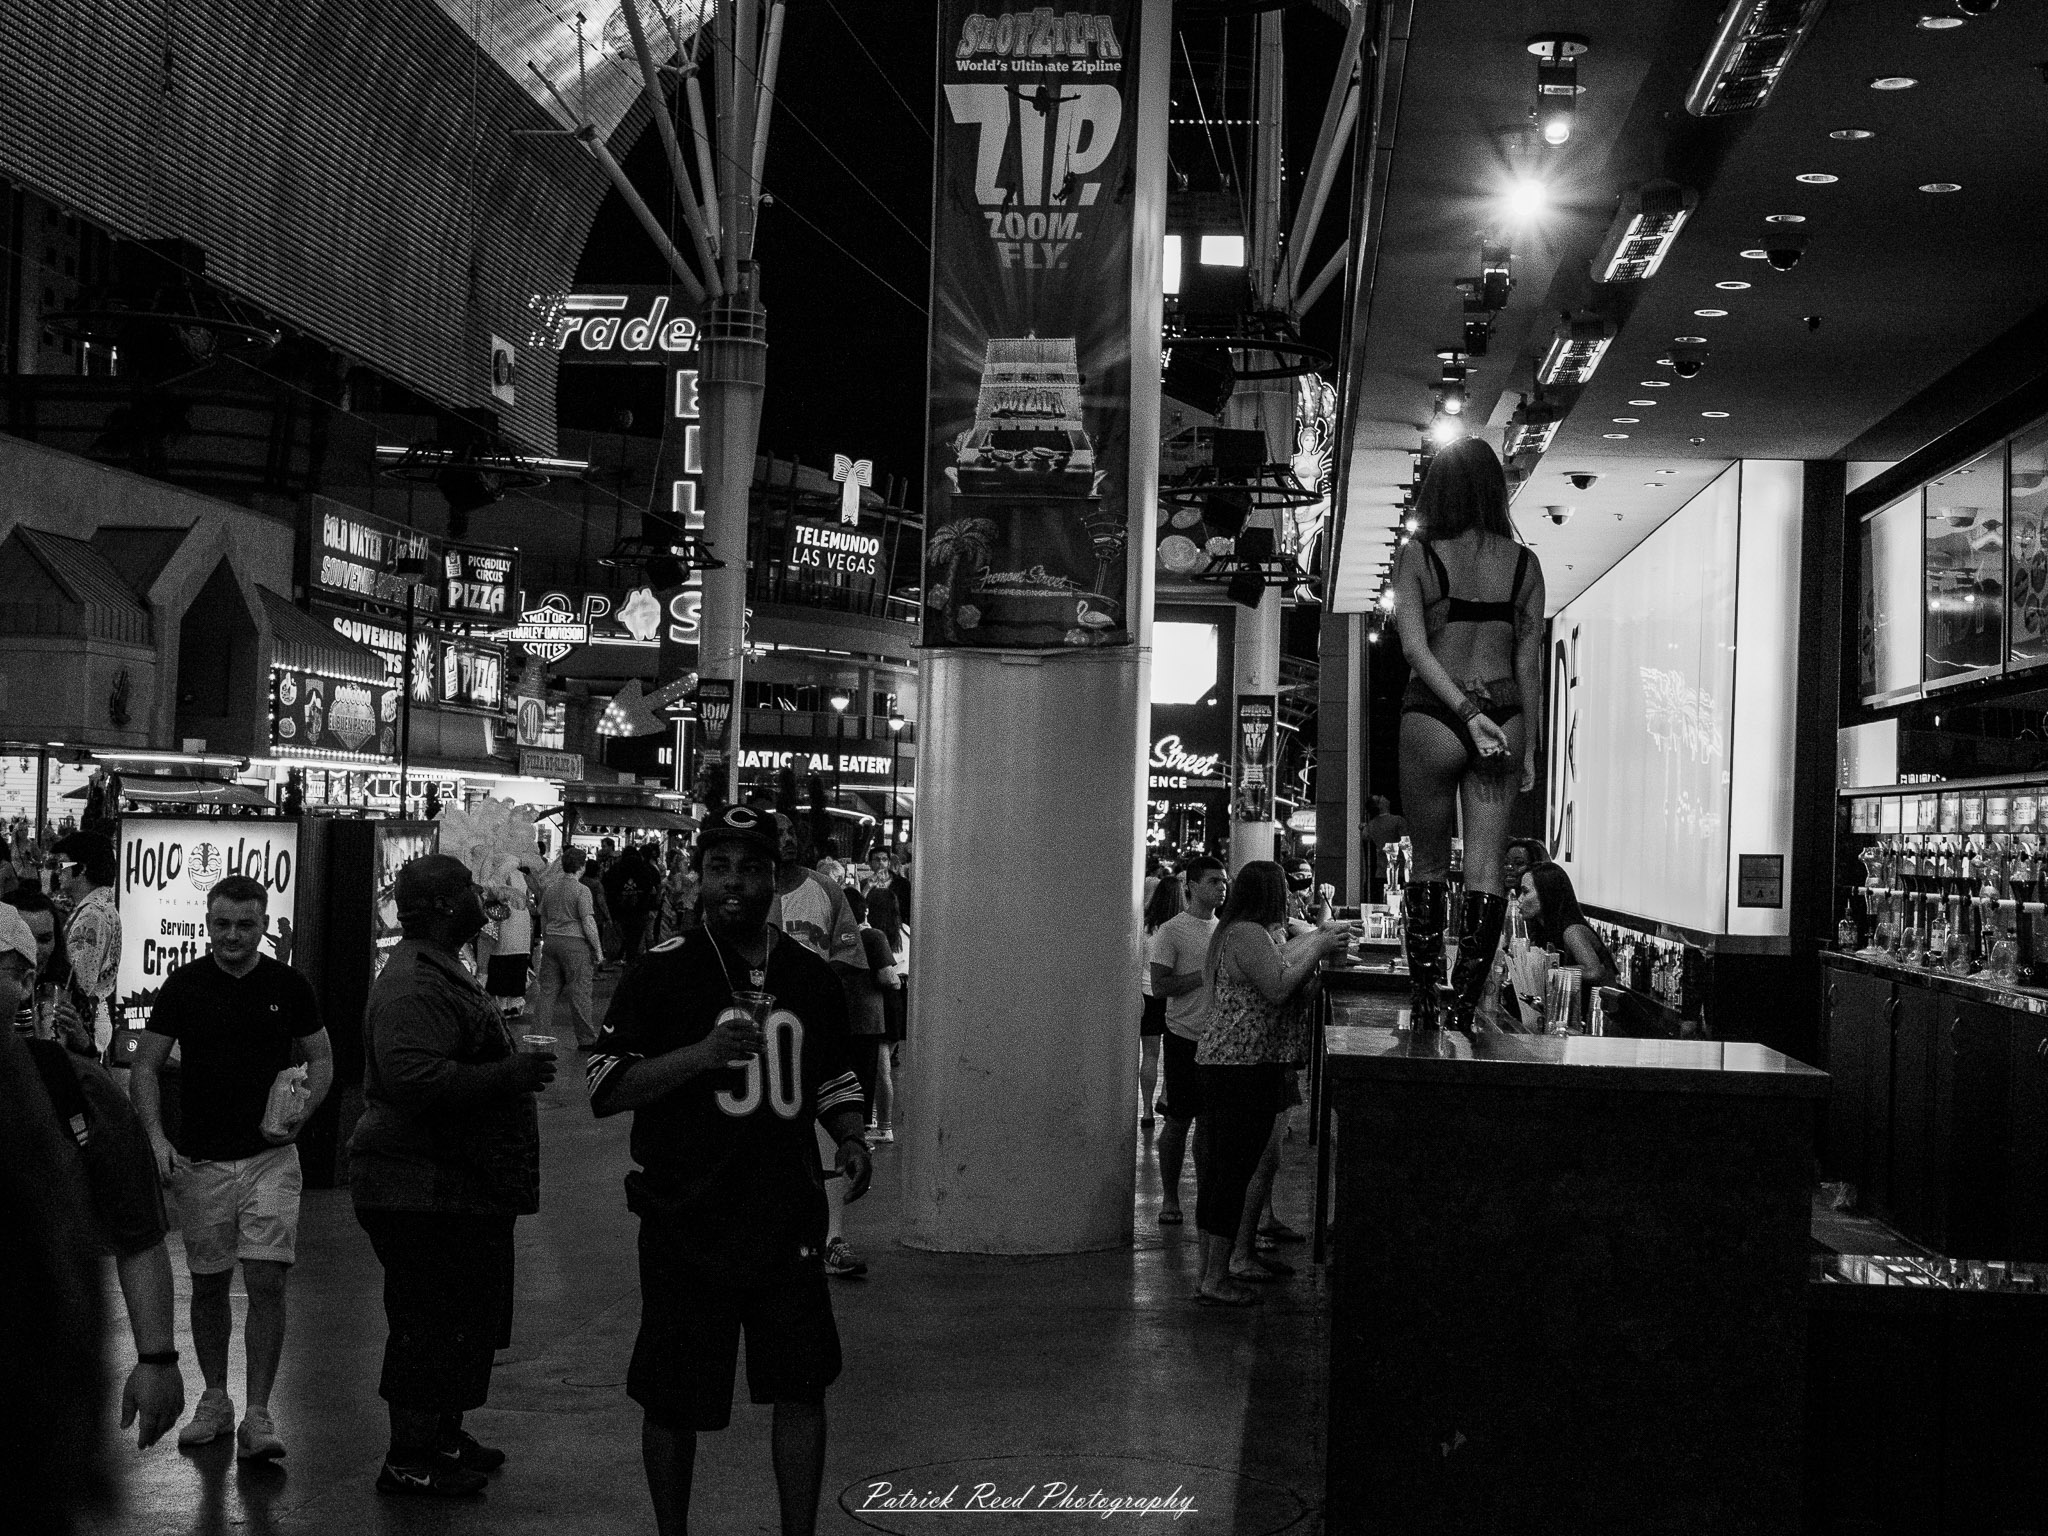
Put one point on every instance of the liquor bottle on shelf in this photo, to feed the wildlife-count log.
(1846, 933)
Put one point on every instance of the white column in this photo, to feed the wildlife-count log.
(1025, 932)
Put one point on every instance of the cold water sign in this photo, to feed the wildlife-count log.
(833, 552)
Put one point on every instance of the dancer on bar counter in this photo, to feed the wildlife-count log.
(1468, 604)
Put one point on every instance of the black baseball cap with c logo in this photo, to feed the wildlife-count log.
(741, 824)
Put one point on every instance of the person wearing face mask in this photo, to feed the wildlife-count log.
(62, 1021)
(445, 1158)
(93, 935)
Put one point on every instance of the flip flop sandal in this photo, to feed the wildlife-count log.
(1203, 1299)
(1264, 1244)
(1171, 1218)
(1253, 1276)
(1280, 1232)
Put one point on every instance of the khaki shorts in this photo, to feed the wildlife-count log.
(244, 1209)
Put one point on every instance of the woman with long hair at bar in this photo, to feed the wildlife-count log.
(1468, 604)
(1256, 1030)
(1551, 909)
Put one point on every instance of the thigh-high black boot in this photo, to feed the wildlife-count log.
(1425, 911)
(1479, 928)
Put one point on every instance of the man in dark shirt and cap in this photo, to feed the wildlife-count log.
(728, 1044)
(445, 1158)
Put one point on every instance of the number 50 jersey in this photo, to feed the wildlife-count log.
(731, 1154)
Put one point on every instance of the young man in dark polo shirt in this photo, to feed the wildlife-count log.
(236, 1015)
(729, 1192)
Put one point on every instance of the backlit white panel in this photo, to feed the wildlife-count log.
(1642, 683)
(1766, 686)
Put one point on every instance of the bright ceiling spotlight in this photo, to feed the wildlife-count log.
(1893, 83)
(1450, 394)
(1446, 430)
(1557, 83)
(1526, 199)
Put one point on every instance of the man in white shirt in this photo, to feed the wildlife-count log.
(1180, 951)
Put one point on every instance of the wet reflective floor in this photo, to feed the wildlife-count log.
(1033, 1391)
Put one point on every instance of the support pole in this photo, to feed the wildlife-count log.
(693, 92)
(1267, 404)
(678, 173)
(1034, 764)
(594, 146)
(1339, 113)
(771, 57)
(1332, 270)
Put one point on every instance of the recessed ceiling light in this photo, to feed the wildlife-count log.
(1817, 178)
(1626, 421)
(1893, 83)
(1732, 287)
(1642, 402)
(1695, 441)
(1939, 23)
(1715, 415)
(1667, 471)
(1784, 218)
(1757, 254)
(1941, 186)
(1852, 134)
(1690, 341)
(1615, 437)
(1653, 383)
(1711, 314)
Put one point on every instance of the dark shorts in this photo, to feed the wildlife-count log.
(867, 1052)
(683, 1361)
(1152, 1021)
(1183, 1097)
(506, 975)
(447, 1304)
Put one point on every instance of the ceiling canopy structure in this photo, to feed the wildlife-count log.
(1816, 263)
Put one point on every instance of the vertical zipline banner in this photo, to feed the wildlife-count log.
(1029, 411)
(1258, 755)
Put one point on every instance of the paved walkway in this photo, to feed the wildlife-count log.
(1095, 1371)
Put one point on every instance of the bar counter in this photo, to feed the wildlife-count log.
(1568, 1285)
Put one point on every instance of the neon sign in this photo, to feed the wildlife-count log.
(596, 322)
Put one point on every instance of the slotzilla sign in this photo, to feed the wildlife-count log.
(1028, 416)
(313, 715)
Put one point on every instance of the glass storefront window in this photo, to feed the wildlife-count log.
(2027, 603)
(1965, 570)
(1888, 620)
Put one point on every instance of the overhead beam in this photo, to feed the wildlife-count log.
(678, 172)
(1340, 111)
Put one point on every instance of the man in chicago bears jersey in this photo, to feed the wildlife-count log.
(725, 1089)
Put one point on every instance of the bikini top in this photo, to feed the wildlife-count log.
(1465, 610)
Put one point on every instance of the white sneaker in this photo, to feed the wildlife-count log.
(257, 1439)
(214, 1417)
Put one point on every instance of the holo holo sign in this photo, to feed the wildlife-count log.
(168, 865)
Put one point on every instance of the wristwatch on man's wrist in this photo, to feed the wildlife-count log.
(1468, 709)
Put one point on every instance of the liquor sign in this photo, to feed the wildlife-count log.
(714, 713)
(477, 583)
(1028, 419)
(168, 864)
(470, 676)
(833, 552)
(1257, 754)
(312, 715)
(356, 556)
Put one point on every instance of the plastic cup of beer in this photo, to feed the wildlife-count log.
(758, 1006)
(532, 1045)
